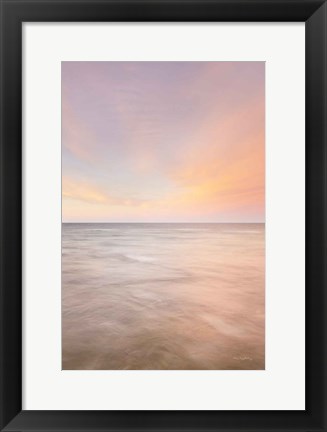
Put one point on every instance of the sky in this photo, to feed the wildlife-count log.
(163, 141)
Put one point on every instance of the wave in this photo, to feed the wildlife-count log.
(242, 232)
(140, 258)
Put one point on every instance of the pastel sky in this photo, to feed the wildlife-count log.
(163, 141)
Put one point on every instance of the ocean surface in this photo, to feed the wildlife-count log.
(163, 296)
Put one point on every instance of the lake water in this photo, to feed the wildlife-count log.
(163, 296)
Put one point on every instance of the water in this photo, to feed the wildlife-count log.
(163, 296)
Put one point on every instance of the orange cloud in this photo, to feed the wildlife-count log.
(78, 190)
(225, 167)
(83, 191)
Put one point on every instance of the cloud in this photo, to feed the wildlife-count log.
(74, 189)
(83, 191)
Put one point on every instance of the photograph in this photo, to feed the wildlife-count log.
(163, 215)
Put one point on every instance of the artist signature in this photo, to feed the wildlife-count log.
(242, 358)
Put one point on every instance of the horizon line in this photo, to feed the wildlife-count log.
(84, 222)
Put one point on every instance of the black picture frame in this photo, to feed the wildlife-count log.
(13, 14)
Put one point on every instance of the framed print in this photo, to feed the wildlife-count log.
(139, 267)
(163, 215)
